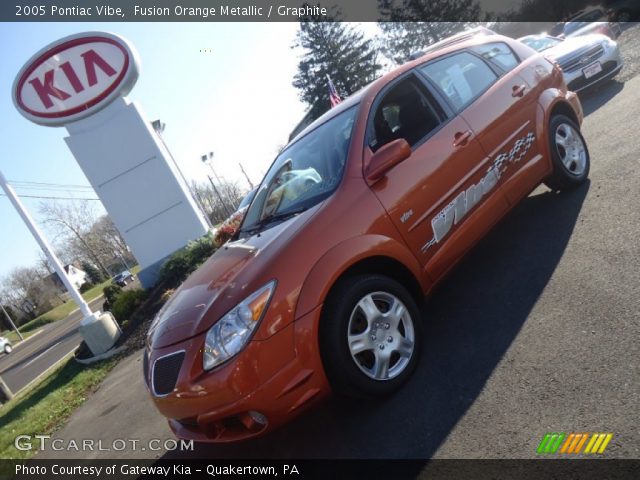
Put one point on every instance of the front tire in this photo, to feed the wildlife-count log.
(569, 154)
(370, 336)
(8, 349)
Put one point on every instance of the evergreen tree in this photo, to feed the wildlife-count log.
(405, 30)
(94, 275)
(335, 49)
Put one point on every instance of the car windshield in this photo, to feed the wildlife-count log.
(571, 27)
(304, 174)
(541, 43)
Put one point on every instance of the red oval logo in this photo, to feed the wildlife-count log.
(74, 77)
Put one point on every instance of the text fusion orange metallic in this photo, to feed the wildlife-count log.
(357, 219)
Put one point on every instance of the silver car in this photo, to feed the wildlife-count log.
(585, 60)
(5, 345)
(587, 22)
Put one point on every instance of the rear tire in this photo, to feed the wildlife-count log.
(370, 336)
(8, 349)
(569, 154)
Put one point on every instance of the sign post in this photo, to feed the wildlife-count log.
(46, 247)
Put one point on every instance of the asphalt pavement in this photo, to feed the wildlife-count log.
(535, 331)
(31, 358)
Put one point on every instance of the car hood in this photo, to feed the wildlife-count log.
(216, 287)
(574, 46)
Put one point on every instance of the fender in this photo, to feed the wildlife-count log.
(347, 253)
(548, 101)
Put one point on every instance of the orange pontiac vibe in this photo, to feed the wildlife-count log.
(354, 223)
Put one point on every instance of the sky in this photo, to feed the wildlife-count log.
(221, 87)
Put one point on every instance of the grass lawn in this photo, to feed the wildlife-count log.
(46, 406)
(62, 311)
(12, 336)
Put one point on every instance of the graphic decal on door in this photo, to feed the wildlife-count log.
(455, 211)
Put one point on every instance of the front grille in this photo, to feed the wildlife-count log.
(582, 82)
(165, 373)
(145, 366)
(581, 59)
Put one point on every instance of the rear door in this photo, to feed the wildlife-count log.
(484, 85)
(444, 195)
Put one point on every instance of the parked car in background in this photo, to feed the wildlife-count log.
(585, 61)
(247, 199)
(622, 10)
(5, 345)
(123, 278)
(228, 228)
(587, 22)
(360, 215)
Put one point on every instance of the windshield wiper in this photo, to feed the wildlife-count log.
(273, 218)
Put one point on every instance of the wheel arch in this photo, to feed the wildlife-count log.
(361, 255)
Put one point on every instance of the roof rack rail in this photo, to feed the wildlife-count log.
(452, 40)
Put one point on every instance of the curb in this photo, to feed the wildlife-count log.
(97, 358)
(22, 342)
(44, 374)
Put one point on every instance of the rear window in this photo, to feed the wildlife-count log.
(462, 77)
(498, 54)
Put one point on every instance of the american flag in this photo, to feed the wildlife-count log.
(333, 93)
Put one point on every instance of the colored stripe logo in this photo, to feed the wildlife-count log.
(573, 443)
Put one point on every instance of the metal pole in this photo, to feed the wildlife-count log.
(246, 176)
(13, 325)
(224, 205)
(158, 127)
(46, 247)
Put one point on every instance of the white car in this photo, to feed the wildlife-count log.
(5, 345)
(585, 60)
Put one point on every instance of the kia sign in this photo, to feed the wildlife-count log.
(74, 77)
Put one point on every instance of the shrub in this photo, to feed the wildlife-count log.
(185, 261)
(127, 303)
(86, 286)
(111, 292)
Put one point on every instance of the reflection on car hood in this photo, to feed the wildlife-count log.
(215, 287)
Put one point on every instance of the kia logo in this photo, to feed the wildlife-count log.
(75, 77)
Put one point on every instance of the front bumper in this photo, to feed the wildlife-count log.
(611, 63)
(269, 383)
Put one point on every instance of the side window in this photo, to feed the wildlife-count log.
(404, 112)
(462, 77)
(498, 54)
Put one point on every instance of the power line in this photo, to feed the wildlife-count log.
(17, 182)
(53, 198)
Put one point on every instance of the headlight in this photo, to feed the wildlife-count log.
(232, 332)
(608, 44)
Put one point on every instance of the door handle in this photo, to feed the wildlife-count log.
(460, 139)
(518, 90)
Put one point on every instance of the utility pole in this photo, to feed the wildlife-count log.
(224, 205)
(246, 176)
(206, 159)
(13, 325)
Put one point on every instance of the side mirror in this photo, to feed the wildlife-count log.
(386, 158)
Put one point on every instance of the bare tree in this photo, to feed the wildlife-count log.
(231, 195)
(73, 219)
